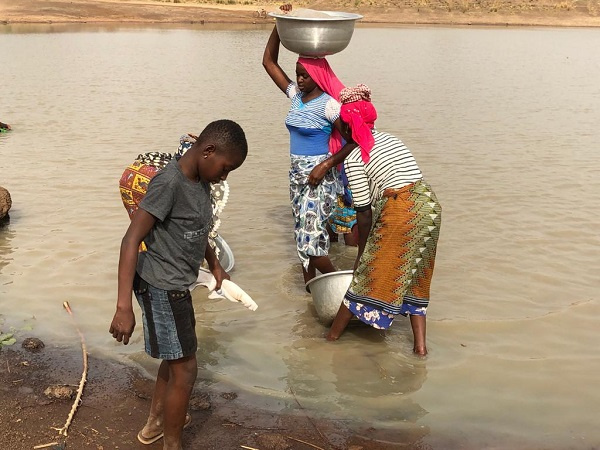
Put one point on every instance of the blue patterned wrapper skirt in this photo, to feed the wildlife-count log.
(312, 206)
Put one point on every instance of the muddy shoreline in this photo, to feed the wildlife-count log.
(116, 399)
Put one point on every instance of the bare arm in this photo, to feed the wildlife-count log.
(270, 62)
(320, 170)
(364, 221)
(215, 266)
(123, 321)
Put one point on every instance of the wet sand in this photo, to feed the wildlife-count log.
(455, 12)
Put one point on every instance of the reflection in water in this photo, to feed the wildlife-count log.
(212, 346)
(364, 375)
(7, 234)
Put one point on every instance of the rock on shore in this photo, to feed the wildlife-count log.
(5, 202)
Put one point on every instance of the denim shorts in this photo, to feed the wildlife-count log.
(169, 321)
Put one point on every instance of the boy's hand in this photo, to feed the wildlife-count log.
(220, 275)
(286, 8)
(122, 326)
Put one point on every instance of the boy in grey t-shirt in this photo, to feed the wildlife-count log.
(173, 220)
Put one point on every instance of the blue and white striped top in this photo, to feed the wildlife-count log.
(310, 124)
(391, 165)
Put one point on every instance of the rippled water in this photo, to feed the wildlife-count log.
(504, 124)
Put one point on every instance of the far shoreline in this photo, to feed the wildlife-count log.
(249, 26)
(380, 13)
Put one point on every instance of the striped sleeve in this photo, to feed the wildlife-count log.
(392, 164)
(357, 179)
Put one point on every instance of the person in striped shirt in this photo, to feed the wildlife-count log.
(399, 219)
(314, 125)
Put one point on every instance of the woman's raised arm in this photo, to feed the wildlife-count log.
(270, 58)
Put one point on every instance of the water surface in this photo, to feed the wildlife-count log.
(504, 124)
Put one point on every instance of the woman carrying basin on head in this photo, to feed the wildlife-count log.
(399, 220)
(314, 124)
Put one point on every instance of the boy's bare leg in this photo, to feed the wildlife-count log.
(182, 376)
(418, 324)
(340, 323)
(154, 424)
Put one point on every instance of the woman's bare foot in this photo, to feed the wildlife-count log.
(421, 351)
(331, 337)
(339, 324)
(418, 324)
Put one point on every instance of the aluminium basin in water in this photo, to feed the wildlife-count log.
(328, 291)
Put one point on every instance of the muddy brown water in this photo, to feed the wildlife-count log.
(504, 124)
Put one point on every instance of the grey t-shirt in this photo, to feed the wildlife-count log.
(177, 242)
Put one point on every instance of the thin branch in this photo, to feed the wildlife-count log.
(304, 442)
(64, 430)
(250, 427)
(310, 420)
(46, 445)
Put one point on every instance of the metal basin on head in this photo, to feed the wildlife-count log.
(316, 36)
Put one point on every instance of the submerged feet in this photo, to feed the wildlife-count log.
(420, 351)
(332, 336)
(339, 324)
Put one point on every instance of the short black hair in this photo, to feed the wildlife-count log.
(226, 134)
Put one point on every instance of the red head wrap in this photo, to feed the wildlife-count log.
(360, 114)
(320, 71)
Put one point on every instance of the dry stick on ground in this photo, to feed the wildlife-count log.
(46, 445)
(304, 442)
(63, 431)
(311, 421)
(249, 427)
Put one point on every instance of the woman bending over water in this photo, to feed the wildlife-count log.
(399, 220)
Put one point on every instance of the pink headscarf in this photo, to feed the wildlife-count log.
(320, 71)
(358, 112)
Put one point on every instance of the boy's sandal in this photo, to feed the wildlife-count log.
(147, 440)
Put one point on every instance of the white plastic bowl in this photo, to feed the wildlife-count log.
(328, 291)
(226, 258)
(316, 36)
